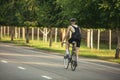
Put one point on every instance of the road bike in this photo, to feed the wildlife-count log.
(71, 58)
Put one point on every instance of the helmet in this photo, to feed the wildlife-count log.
(73, 20)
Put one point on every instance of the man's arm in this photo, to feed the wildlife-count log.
(68, 30)
(80, 30)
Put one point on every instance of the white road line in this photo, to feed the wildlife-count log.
(4, 61)
(47, 77)
(21, 68)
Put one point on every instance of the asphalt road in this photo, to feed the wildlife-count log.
(23, 63)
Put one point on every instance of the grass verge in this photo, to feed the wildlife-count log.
(103, 54)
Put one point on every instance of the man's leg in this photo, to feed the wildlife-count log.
(67, 48)
(78, 42)
(77, 53)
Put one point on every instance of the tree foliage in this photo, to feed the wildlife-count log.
(49, 14)
(56, 13)
(93, 13)
(18, 12)
(110, 13)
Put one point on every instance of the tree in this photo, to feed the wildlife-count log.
(19, 13)
(49, 15)
(3, 11)
(8, 14)
(86, 12)
(110, 10)
(29, 15)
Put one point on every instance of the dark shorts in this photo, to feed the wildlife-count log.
(76, 40)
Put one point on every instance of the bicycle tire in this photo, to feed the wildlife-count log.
(66, 63)
(73, 65)
(73, 62)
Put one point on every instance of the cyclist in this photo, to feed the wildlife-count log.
(76, 36)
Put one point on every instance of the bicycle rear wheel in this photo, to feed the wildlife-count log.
(73, 65)
(73, 62)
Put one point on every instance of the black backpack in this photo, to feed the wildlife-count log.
(76, 35)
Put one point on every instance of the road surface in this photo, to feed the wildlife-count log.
(23, 63)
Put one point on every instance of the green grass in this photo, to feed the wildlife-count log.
(103, 54)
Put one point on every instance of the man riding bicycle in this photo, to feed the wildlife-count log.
(75, 37)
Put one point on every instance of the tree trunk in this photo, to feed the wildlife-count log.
(23, 33)
(16, 34)
(46, 33)
(56, 34)
(19, 32)
(118, 44)
(38, 32)
(98, 40)
(88, 38)
(109, 39)
(8, 30)
(43, 32)
(32, 33)
(51, 31)
(0, 33)
(91, 39)
(12, 33)
(4, 30)
(27, 34)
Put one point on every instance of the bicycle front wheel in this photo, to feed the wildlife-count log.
(66, 62)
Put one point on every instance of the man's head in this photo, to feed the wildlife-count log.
(73, 20)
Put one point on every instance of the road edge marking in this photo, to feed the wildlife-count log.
(3, 61)
(47, 77)
(22, 68)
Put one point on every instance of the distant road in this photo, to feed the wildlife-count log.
(23, 63)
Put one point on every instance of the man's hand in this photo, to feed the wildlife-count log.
(62, 43)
